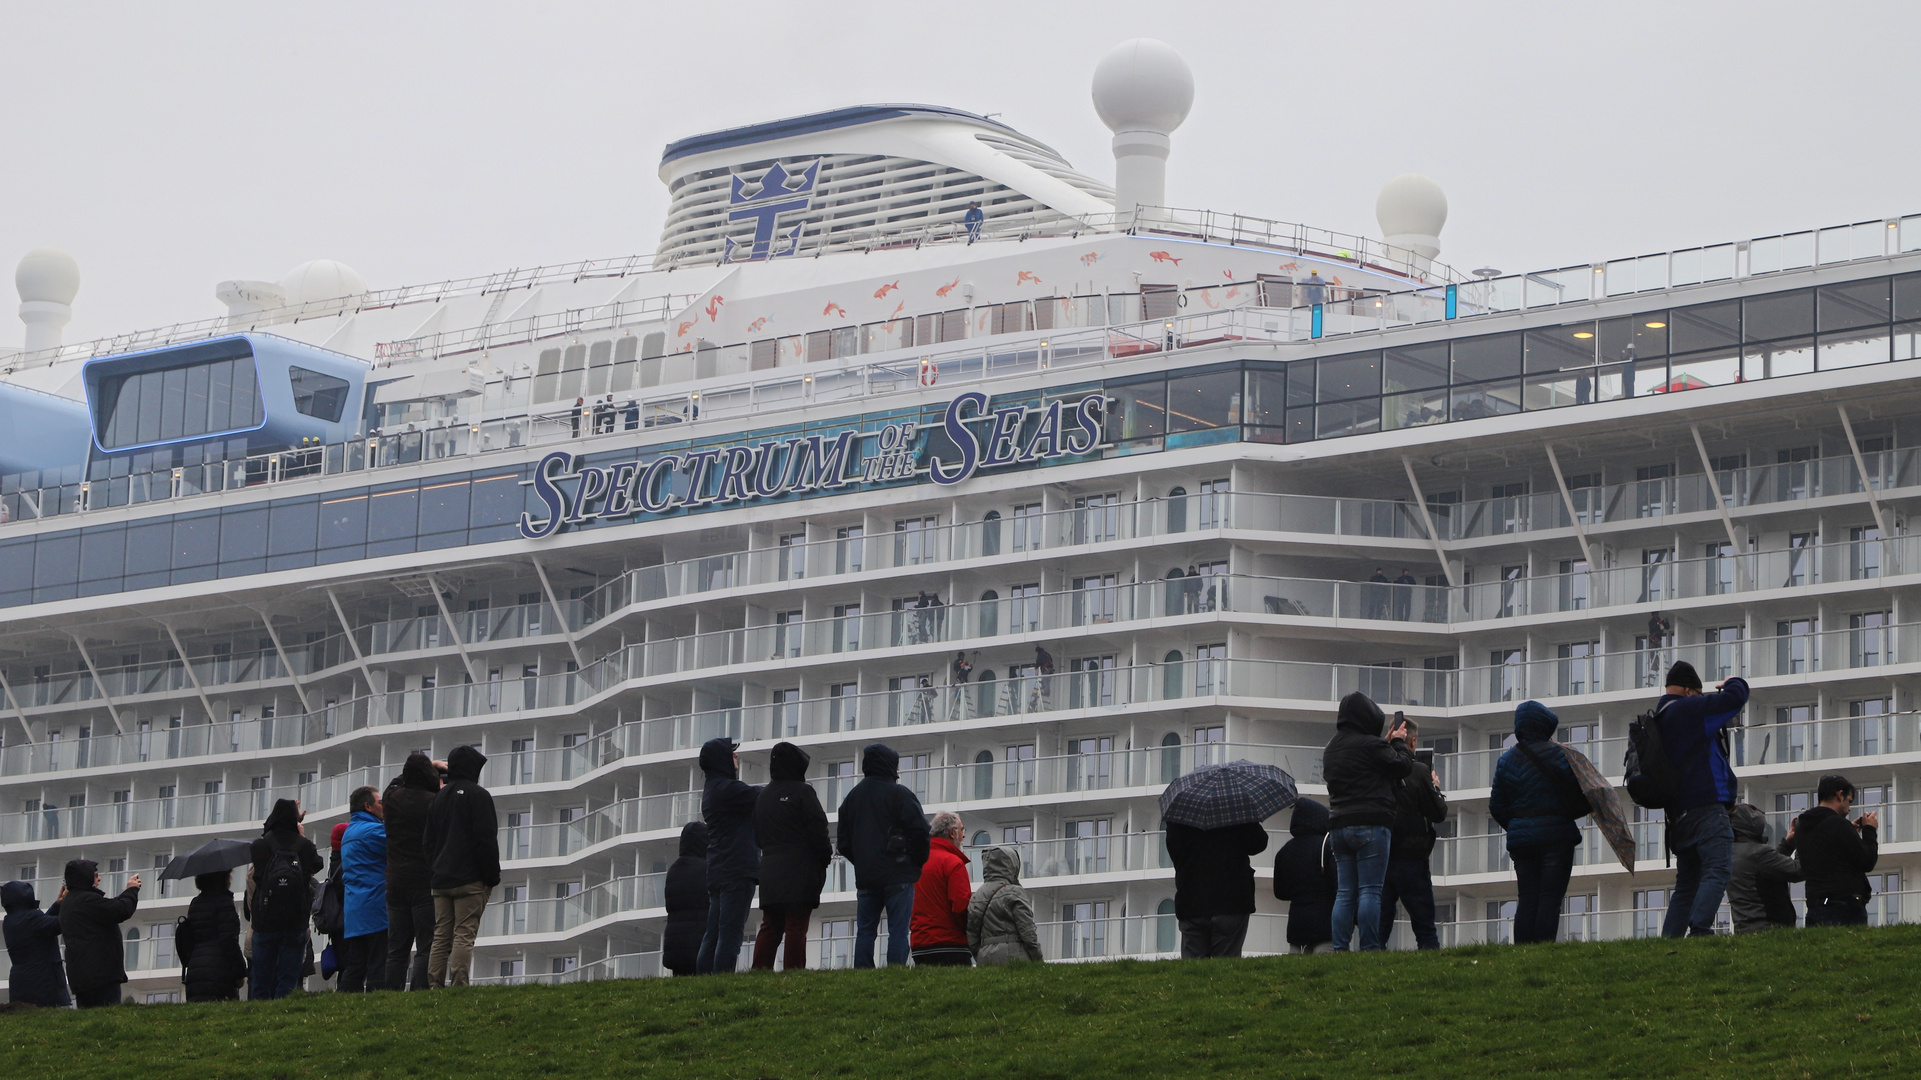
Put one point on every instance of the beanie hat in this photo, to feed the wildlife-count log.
(1683, 674)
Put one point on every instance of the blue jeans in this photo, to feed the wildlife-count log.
(278, 956)
(1410, 882)
(727, 907)
(1360, 866)
(1541, 880)
(898, 902)
(1703, 844)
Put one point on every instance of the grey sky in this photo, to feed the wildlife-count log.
(171, 146)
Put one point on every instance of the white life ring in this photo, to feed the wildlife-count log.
(929, 373)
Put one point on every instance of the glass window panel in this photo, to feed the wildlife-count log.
(1488, 357)
(1720, 367)
(1414, 409)
(320, 396)
(195, 420)
(243, 535)
(1705, 326)
(1578, 387)
(219, 395)
(443, 506)
(1348, 418)
(107, 411)
(1416, 367)
(1907, 297)
(1300, 425)
(1486, 399)
(393, 514)
(292, 525)
(1866, 346)
(55, 566)
(1907, 341)
(246, 397)
(1343, 378)
(1558, 348)
(173, 402)
(1641, 378)
(1266, 398)
(1141, 409)
(1300, 383)
(1632, 336)
(1789, 314)
(1201, 402)
(1855, 304)
(103, 552)
(16, 567)
(1773, 359)
(149, 545)
(495, 500)
(196, 539)
(343, 522)
(148, 430)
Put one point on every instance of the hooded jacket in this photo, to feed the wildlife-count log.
(462, 837)
(790, 826)
(363, 860)
(1000, 917)
(405, 803)
(882, 829)
(1536, 809)
(1758, 883)
(1304, 876)
(686, 897)
(941, 897)
(214, 965)
(1834, 855)
(96, 959)
(1688, 721)
(727, 805)
(1419, 805)
(1359, 767)
(281, 830)
(34, 948)
(1212, 872)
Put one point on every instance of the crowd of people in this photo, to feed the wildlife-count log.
(414, 865)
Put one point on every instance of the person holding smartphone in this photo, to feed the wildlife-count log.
(1418, 806)
(1836, 855)
(1359, 768)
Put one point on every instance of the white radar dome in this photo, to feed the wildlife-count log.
(1143, 85)
(1411, 210)
(47, 275)
(322, 279)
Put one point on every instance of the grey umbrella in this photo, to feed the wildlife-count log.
(211, 857)
(1214, 796)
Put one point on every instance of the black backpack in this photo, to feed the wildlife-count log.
(283, 897)
(1653, 779)
(183, 939)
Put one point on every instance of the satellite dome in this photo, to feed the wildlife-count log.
(1411, 205)
(1143, 84)
(47, 275)
(322, 279)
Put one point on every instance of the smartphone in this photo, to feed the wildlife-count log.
(1425, 757)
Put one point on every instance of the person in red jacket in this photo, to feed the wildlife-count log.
(940, 899)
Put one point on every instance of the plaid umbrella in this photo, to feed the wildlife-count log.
(209, 858)
(1214, 796)
(1604, 806)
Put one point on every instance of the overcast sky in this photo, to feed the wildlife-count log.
(171, 146)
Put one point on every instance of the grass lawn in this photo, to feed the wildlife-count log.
(1818, 1004)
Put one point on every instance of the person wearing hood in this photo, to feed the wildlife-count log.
(363, 865)
(284, 865)
(208, 943)
(1214, 885)
(1000, 918)
(1694, 733)
(33, 947)
(1835, 853)
(1359, 768)
(462, 844)
(1305, 877)
(686, 897)
(1537, 798)
(733, 858)
(1419, 805)
(96, 959)
(790, 826)
(1758, 885)
(941, 897)
(410, 899)
(884, 833)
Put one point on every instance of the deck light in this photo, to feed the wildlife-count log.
(1656, 325)
(1583, 334)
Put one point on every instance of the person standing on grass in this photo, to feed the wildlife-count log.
(1694, 729)
(1359, 768)
(1304, 876)
(941, 897)
(1537, 798)
(1214, 885)
(208, 942)
(884, 833)
(462, 842)
(33, 947)
(686, 898)
(1835, 853)
(363, 863)
(791, 829)
(1419, 805)
(96, 959)
(284, 863)
(1000, 917)
(1758, 885)
(733, 859)
(410, 899)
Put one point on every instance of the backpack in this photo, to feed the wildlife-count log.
(183, 940)
(1653, 779)
(281, 898)
(330, 907)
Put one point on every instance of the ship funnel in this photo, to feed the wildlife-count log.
(1142, 91)
(48, 280)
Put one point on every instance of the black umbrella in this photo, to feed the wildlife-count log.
(1214, 796)
(212, 857)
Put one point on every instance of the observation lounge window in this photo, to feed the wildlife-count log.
(178, 403)
(322, 397)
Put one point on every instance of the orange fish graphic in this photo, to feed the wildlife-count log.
(684, 327)
(1228, 274)
(835, 309)
(713, 308)
(1090, 258)
(1026, 276)
(947, 288)
(900, 307)
(1289, 267)
(881, 293)
(754, 327)
(1163, 257)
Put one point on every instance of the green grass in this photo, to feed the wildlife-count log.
(1819, 1004)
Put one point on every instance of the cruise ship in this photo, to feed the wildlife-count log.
(900, 387)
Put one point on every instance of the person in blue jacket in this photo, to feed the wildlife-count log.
(33, 945)
(1537, 798)
(1694, 735)
(363, 860)
(973, 220)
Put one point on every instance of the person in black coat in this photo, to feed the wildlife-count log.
(1419, 805)
(1359, 768)
(462, 845)
(884, 833)
(214, 967)
(1836, 854)
(686, 890)
(410, 898)
(791, 828)
(733, 859)
(1304, 877)
(279, 916)
(33, 945)
(1214, 885)
(96, 959)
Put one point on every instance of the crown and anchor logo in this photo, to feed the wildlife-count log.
(778, 194)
